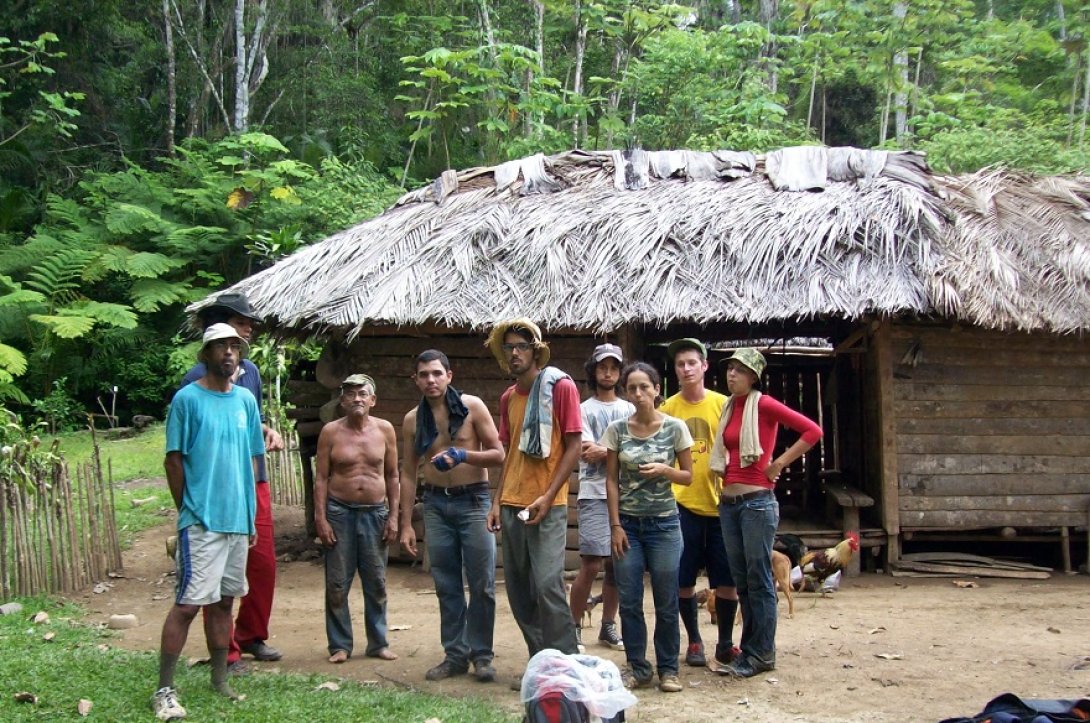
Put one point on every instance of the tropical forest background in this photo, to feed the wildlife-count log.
(153, 151)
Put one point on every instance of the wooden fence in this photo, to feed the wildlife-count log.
(285, 471)
(58, 532)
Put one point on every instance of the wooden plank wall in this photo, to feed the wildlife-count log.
(993, 429)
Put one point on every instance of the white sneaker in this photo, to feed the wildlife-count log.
(166, 706)
(579, 641)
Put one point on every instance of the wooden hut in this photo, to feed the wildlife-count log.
(951, 370)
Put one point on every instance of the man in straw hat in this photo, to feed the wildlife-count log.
(251, 628)
(541, 427)
(213, 440)
(698, 505)
(355, 513)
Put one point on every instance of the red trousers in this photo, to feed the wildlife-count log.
(252, 623)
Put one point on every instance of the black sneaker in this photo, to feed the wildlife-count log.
(745, 667)
(579, 640)
(261, 651)
(483, 671)
(444, 670)
(694, 655)
(609, 637)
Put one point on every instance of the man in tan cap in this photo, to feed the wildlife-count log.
(213, 441)
(542, 429)
(356, 497)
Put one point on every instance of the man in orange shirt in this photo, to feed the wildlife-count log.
(541, 428)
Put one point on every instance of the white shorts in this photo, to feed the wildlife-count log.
(210, 566)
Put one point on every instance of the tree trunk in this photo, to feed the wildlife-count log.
(172, 88)
(578, 127)
(539, 44)
(615, 92)
(768, 13)
(1085, 99)
(813, 91)
(1074, 99)
(242, 92)
(734, 13)
(900, 75)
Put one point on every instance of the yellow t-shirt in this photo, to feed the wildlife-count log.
(702, 419)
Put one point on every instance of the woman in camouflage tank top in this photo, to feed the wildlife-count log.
(644, 527)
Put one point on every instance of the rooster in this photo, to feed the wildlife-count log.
(820, 564)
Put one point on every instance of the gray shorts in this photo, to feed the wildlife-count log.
(594, 536)
(210, 566)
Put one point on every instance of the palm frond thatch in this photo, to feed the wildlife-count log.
(568, 244)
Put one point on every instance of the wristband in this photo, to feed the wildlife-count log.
(457, 456)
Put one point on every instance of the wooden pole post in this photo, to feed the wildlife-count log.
(889, 505)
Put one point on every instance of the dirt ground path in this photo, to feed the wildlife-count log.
(945, 650)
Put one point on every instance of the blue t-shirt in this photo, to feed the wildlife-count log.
(250, 379)
(218, 434)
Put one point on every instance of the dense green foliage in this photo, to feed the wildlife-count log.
(148, 158)
(79, 661)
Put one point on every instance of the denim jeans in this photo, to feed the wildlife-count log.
(533, 571)
(749, 529)
(359, 548)
(458, 539)
(654, 546)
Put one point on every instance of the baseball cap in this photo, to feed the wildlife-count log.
(359, 380)
(686, 343)
(234, 301)
(607, 351)
(749, 358)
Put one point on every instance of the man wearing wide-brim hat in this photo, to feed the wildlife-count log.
(542, 429)
(251, 626)
(213, 441)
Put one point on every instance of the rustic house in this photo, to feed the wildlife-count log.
(935, 325)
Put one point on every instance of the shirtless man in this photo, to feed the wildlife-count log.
(355, 513)
(449, 441)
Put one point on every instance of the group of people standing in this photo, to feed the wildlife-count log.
(667, 491)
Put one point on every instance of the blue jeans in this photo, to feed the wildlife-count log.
(749, 529)
(458, 539)
(359, 548)
(533, 571)
(654, 546)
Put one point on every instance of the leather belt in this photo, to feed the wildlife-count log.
(725, 499)
(468, 489)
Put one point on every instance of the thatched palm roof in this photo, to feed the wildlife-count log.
(599, 239)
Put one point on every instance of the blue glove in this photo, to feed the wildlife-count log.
(456, 454)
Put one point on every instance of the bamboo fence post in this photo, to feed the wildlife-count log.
(73, 535)
(5, 584)
(95, 534)
(20, 547)
(115, 543)
(46, 517)
(34, 498)
(84, 534)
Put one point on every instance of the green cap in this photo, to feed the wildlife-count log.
(686, 343)
(359, 380)
(749, 358)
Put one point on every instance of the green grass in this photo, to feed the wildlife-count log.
(81, 662)
(139, 457)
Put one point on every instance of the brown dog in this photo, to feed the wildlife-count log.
(781, 573)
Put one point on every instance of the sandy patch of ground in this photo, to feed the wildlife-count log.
(948, 650)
